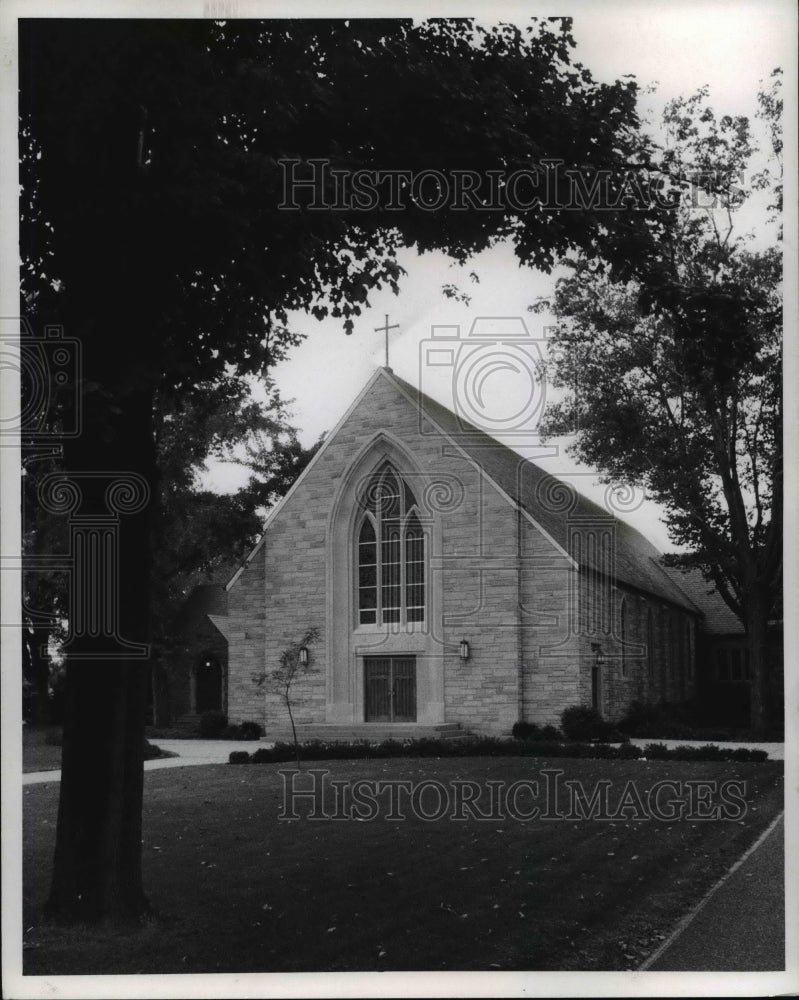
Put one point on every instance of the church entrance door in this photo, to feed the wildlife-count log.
(390, 689)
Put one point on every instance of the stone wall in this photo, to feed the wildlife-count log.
(530, 656)
(245, 633)
(649, 666)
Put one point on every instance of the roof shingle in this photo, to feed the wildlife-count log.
(718, 618)
(555, 504)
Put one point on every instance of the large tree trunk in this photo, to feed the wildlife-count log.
(97, 868)
(112, 305)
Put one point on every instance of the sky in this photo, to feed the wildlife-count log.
(732, 47)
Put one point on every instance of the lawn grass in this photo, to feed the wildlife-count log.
(37, 754)
(236, 890)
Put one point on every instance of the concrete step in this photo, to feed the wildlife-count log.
(188, 723)
(374, 732)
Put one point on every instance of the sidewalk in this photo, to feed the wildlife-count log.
(191, 753)
(740, 924)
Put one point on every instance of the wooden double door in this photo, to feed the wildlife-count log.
(390, 689)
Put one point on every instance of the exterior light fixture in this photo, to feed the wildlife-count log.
(303, 656)
(600, 659)
(464, 650)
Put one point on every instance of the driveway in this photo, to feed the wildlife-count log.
(740, 925)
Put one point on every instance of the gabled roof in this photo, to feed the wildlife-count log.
(204, 599)
(718, 618)
(637, 561)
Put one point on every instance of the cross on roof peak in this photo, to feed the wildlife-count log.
(384, 329)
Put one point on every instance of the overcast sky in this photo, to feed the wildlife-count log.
(732, 47)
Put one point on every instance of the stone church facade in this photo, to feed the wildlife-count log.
(451, 582)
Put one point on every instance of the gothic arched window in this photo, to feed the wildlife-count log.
(391, 557)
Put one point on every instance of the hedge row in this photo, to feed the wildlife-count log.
(486, 747)
(214, 726)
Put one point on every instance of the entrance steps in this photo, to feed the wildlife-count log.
(373, 732)
(189, 722)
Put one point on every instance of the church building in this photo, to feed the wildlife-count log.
(450, 583)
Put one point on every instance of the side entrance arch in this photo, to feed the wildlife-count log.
(208, 680)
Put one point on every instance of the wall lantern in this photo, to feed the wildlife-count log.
(303, 656)
(600, 659)
(464, 650)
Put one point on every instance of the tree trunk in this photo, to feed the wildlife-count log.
(37, 670)
(97, 873)
(756, 623)
(162, 707)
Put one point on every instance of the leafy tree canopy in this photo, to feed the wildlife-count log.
(673, 381)
(152, 163)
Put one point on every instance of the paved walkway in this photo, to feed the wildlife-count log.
(191, 753)
(740, 925)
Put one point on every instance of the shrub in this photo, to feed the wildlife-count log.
(486, 746)
(582, 723)
(212, 724)
(745, 754)
(249, 731)
(659, 751)
(531, 731)
(151, 752)
(665, 721)
(656, 751)
(243, 731)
